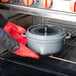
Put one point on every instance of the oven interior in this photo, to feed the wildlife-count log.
(46, 65)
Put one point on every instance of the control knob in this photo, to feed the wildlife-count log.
(46, 3)
(73, 6)
(28, 2)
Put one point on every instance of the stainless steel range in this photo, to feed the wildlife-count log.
(54, 12)
(57, 9)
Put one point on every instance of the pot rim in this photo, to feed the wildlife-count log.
(59, 35)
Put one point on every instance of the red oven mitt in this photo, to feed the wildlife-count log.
(15, 31)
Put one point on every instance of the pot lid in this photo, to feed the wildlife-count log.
(43, 30)
(50, 31)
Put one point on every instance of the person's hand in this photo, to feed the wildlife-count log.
(26, 52)
(15, 31)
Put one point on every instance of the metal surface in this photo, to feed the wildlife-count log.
(61, 59)
(61, 15)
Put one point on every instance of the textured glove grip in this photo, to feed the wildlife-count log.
(8, 42)
(3, 21)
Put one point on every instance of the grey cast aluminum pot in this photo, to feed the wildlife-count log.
(45, 39)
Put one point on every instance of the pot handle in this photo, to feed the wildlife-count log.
(24, 35)
(68, 36)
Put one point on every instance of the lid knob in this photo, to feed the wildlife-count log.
(45, 29)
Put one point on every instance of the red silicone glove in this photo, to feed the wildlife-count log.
(26, 52)
(15, 31)
(4, 0)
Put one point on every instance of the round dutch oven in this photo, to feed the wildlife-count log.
(45, 39)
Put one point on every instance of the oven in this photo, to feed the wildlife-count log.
(56, 12)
